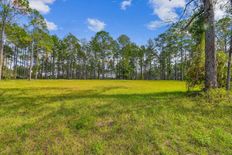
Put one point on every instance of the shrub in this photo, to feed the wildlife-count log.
(217, 96)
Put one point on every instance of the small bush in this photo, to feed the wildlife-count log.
(216, 96)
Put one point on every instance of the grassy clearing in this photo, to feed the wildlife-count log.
(110, 117)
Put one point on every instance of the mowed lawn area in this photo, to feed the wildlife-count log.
(111, 117)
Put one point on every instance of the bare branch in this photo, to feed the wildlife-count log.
(192, 19)
(186, 6)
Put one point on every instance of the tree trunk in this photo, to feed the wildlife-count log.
(229, 62)
(58, 69)
(15, 62)
(45, 65)
(24, 64)
(210, 52)
(175, 69)
(31, 60)
(150, 71)
(2, 47)
(229, 68)
(103, 68)
(182, 65)
(36, 65)
(53, 65)
(141, 72)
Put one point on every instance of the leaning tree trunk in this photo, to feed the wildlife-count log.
(210, 52)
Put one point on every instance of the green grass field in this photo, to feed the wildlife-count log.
(111, 117)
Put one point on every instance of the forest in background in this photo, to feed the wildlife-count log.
(197, 49)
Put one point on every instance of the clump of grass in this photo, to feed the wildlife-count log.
(202, 139)
(223, 138)
(85, 122)
(97, 148)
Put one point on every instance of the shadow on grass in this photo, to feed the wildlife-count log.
(11, 100)
(30, 101)
(15, 98)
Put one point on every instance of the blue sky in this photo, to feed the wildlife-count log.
(72, 15)
(139, 19)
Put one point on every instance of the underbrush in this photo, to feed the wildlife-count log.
(214, 96)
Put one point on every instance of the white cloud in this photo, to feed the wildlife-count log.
(41, 5)
(95, 25)
(153, 25)
(51, 26)
(125, 4)
(166, 9)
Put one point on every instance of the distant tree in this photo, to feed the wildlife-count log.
(44, 46)
(36, 25)
(102, 44)
(150, 55)
(223, 33)
(21, 39)
(72, 48)
(55, 49)
(9, 9)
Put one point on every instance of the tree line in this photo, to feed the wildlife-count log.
(196, 49)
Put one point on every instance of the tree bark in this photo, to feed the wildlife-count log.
(31, 60)
(229, 68)
(2, 47)
(229, 62)
(210, 51)
(53, 65)
(182, 65)
(15, 62)
(36, 65)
